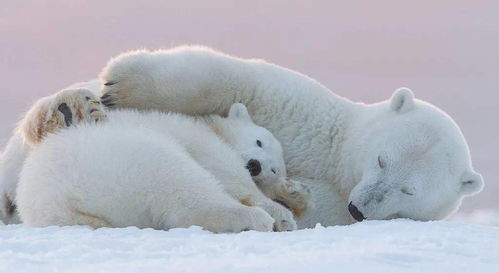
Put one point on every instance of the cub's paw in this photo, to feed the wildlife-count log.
(96, 111)
(61, 110)
(295, 195)
(238, 219)
(284, 220)
(255, 219)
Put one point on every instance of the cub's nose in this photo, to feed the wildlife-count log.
(254, 167)
(356, 214)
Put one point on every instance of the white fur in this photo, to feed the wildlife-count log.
(45, 118)
(18, 147)
(42, 118)
(148, 170)
(329, 143)
(11, 163)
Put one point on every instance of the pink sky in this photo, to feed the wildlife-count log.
(446, 51)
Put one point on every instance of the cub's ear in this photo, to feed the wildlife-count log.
(471, 184)
(239, 111)
(402, 100)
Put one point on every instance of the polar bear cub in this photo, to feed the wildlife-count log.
(47, 115)
(151, 170)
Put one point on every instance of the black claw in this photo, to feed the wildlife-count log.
(282, 203)
(104, 99)
(109, 83)
(105, 96)
(108, 101)
(66, 111)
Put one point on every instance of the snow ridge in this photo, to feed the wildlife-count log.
(372, 246)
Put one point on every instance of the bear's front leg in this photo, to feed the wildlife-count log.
(61, 110)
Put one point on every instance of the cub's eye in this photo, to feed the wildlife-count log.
(259, 143)
(381, 162)
(87, 98)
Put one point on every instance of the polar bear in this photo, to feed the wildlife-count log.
(399, 158)
(70, 107)
(150, 169)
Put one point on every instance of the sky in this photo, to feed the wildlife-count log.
(445, 51)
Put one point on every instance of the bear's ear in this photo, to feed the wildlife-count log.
(402, 100)
(239, 111)
(471, 183)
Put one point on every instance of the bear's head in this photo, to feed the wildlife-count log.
(260, 150)
(410, 161)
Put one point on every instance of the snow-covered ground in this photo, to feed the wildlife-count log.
(372, 246)
(479, 217)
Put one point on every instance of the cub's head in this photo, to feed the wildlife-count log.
(411, 161)
(260, 150)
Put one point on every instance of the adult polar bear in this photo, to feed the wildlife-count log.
(398, 158)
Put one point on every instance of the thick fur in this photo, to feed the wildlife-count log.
(79, 175)
(398, 158)
(48, 115)
(61, 110)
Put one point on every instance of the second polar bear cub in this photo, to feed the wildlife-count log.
(151, 170)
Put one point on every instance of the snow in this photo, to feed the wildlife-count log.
(372, 246)
(479, 216)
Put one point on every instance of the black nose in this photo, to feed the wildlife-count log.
(356, 214)
(254, 167)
